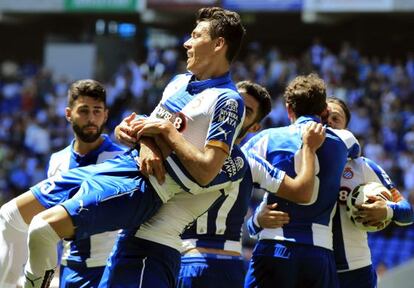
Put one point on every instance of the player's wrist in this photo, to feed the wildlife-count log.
(390, 210)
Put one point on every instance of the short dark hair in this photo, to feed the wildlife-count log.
(259, 93)
(86, 87)
(226, 24)
(333, 99)
(306, 95)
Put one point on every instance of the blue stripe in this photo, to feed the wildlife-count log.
(338, 242)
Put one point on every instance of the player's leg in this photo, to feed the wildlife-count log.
(136, 262)
(80, 276)
(364, 277)
(211, 270)
(15, 217)
(45, 231)
(118, 198)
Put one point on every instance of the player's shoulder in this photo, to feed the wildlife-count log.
(61, 154)
(347, 138)
(179, 80)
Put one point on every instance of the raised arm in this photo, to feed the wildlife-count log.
(273, 180)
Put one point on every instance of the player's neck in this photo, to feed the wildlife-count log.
(83, 148)
(213, 70)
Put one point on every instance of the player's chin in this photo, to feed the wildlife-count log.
(90, 137)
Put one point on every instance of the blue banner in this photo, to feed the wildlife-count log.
(263, 5)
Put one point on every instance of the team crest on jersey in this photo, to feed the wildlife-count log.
(232, 166)
(178, 119)
(348, 173)
(228, 113)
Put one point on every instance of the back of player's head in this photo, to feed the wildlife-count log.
(226, 24)
(306, 95)
(259, 93)
(344, 107)
(86, 87)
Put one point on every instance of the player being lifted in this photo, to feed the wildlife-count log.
(299, 254)
(205, 107)
(150, 256)
(87, 113)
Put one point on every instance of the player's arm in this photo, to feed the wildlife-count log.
(300, 189)
(152, 156)
(273, 180)
(203, 166)
(398, 210)
(374, 213)
(124, 132)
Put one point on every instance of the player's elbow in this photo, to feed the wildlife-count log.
(205, 179)
(303, 199)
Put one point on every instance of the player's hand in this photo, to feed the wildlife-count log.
(150, 128)
(313, 135)
(268, 217)
(124, 133)
(151, 160)
(372, 213)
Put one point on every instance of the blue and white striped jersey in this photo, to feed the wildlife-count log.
(350, 243)
(208, 112)
(220, 227)
(95, 250)
(230, 188)
(310, 223)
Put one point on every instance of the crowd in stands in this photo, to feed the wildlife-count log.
(379, 92)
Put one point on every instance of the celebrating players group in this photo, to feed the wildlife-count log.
(168, 211)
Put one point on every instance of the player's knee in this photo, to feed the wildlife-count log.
(10, 215)
(41, 233)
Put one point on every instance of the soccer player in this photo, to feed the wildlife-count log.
(299, 254)
(352, 253)
(83, 261)
(203, 105)
(213, 243)
(152, 252)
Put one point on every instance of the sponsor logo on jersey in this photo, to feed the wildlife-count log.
(178, 119)
(348, 173)
(228, 114)
(232, 166)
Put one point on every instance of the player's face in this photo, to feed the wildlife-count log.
(87, 117)
(337, 117)
(250, 123)
(200, 49)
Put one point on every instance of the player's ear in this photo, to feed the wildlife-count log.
(68, 114)
(220, 42)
